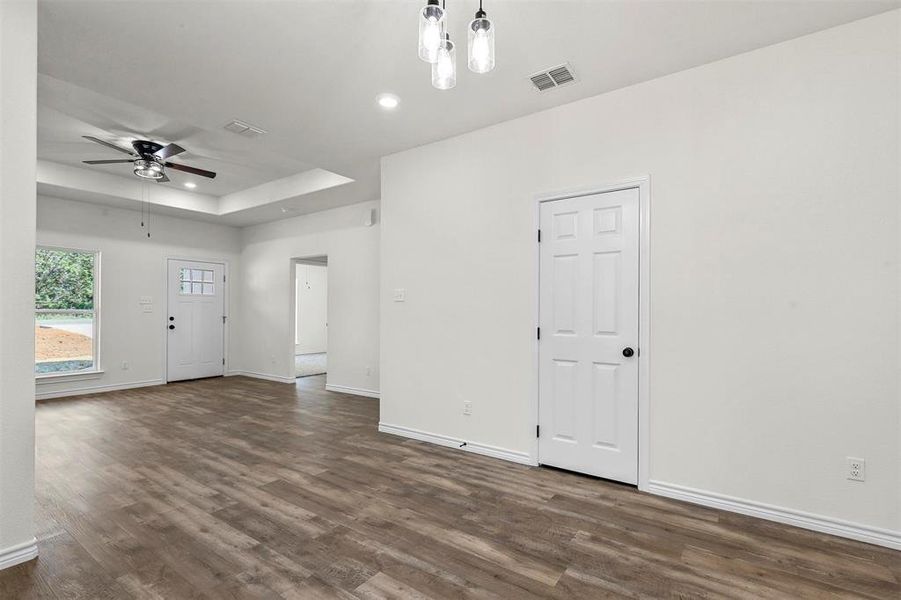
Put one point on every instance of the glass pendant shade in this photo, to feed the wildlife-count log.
(481, 44)
(444, 69)
(432, 27)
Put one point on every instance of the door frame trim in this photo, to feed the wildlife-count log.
(643, 185)
(225, 309)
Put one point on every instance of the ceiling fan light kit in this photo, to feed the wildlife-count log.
(436, 47)
(148, 169)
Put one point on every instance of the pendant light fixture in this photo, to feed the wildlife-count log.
(436, 47)
(481, 42)
(432, 29)
(444, 70)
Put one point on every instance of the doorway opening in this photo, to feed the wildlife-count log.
(311, 316)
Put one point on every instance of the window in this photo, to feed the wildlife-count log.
(65, 316)
(197, 282)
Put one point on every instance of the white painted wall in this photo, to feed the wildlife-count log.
(774, 270)
(266, 344)
(18, 130)
(131, 266)
(311, 318)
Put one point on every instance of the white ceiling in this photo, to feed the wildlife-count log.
(309, 72)
(67, 112)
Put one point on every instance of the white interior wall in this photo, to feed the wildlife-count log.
(311, 316)
(18, 131)
(774, 296)
(132, 266)
(266, 346)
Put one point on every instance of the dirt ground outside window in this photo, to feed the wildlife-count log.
(57, 344)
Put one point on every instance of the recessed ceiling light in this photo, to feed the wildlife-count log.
(190, 185)
(388, 101)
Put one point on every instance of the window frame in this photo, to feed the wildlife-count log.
(96, 370)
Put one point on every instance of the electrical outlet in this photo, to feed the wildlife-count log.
(857, 469)
(467, 407)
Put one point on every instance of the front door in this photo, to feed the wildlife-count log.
(195, 322)
(588, 353)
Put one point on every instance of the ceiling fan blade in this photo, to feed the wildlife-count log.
(168, 151)
(108, 144)
(163, 179)
(193, 170)
(107, 162)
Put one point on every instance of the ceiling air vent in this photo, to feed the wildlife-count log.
(245, 129)
(553, 77)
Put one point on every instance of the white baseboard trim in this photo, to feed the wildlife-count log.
(351, 390)
(14, 555)
(820, 523)
(266, 376)
(95, 389)
(523, 458)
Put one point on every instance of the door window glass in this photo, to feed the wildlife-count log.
(196, 282)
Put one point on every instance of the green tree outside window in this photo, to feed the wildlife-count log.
(64, 280)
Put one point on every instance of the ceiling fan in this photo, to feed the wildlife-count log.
(150, 159)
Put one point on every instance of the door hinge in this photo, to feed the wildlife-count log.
(223, 279)
(539, 236)
(223, 360)
(224, 318)
(538, 431)
(538, 332)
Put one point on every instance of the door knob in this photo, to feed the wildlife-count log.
(628, 352)
(171, 326)
(171, 318)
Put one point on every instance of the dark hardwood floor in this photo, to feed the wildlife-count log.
(239, 488)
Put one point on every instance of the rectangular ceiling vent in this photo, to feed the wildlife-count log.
(245, 129)
(549, 79)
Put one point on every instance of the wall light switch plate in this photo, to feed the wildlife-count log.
(145, 300)
(400, 295)
(147, 308)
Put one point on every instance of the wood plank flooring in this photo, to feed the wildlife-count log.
(240, 488)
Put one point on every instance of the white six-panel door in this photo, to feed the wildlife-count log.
(588, 315)
(195, 324)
